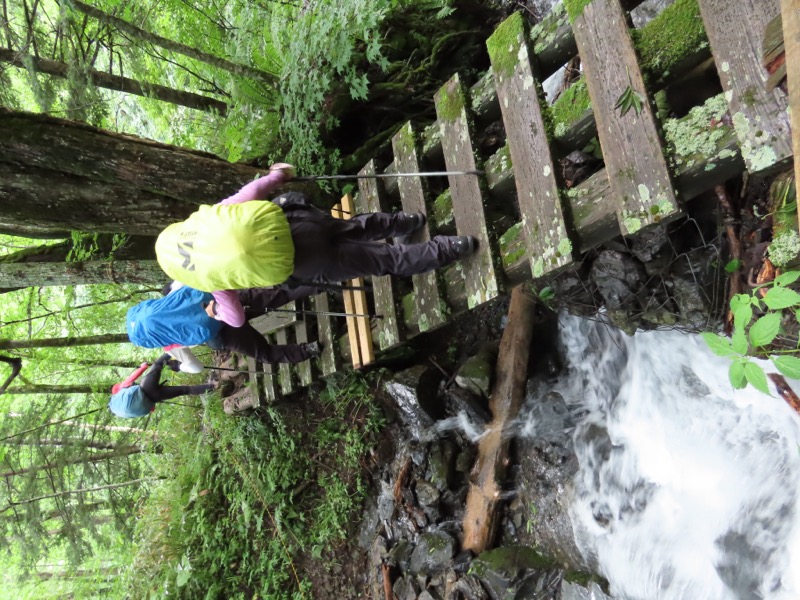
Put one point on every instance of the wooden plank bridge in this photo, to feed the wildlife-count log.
(647, 176)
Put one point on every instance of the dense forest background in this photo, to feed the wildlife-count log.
(118, 117)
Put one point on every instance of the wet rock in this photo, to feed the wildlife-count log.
(475, 375)
(461, 401)
(427, 494)
(400, 555)
(440, 464)
(550, 419)
(647, 244)
(619, 278)
(405, 588)
(376, 555)
(433, 553)
(425, 595)
(410, 389)
(470, 588)
(505, 571)
(574, 591)
(580, 292)
(693, 280)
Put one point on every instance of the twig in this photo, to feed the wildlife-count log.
(785, 391)
(386, 570)
(400, 482)
(730, 218)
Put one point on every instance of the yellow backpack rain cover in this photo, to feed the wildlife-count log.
(228, 247)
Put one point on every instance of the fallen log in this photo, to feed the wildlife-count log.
(489, 473)
(785, 391)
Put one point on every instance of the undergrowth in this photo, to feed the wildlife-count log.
(245, 497)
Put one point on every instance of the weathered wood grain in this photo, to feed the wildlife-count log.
(414, 198)
(637, 169)
(330, 358)
(480, 276)
(736, 34)
(518, 90)
(371, 198)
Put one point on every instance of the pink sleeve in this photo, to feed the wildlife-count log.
(259, 189)
(229, 307)
(130, 379)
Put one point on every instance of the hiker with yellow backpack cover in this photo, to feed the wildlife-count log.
(248, 241)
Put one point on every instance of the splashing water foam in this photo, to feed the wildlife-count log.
(687, 489)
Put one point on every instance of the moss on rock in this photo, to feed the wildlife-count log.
(570, 106)
(575, 8)
(677, 31)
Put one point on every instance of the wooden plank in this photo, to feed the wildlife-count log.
(518, 90)
(302, 332)
(285, 375)
(269, 380)
(272, 321)
(791, 42)
(330, 358)
(480, 277)
(428, 295)
(384, 293)
(360, 305)
(736, 32)
(253, 378)
(632, 149)
(349, 307)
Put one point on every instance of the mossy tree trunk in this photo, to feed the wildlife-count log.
(58, 176)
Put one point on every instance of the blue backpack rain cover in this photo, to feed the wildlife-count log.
(177, 318)
(131, 402)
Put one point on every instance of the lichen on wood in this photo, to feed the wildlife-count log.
(575, 8)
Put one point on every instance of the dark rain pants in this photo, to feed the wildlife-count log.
(156, 392)
(328, 249)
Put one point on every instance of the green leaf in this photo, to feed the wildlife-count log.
(740, 299)
(742, 315)
(765, 329)
(733, 266)
(787, 278)
(787, 365)
(718, 344)
(756, 377)
(736, 375)
(778, 298)
(739, 341)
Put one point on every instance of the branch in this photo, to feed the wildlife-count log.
(16, 367)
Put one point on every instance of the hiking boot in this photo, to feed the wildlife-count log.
(462, 245)
(314, 349)
(413, 222)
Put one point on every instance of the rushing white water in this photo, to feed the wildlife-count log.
(687, 489)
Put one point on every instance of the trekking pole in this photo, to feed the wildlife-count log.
(180, 404)
(321, 313)
(380, 175)
(224, 369)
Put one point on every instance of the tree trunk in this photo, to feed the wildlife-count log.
(66, 342)
(117, 83)
(101, 488)
(90, 458)
(146, 36)
(58, 175)
(144, 272)
(59, 389)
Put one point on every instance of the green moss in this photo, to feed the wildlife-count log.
(569, 107)
(543, 33)
(575, 8)
(403, 140)
(450, 101)
(668, 38)
(505, 45)
(512, 246)
(443, 209)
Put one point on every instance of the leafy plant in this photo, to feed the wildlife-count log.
(749, 334)
(629, 99)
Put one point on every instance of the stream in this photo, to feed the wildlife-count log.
(685, 488)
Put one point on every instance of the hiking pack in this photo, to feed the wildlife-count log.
(228, 247)
(131, 402)
(177, 318)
